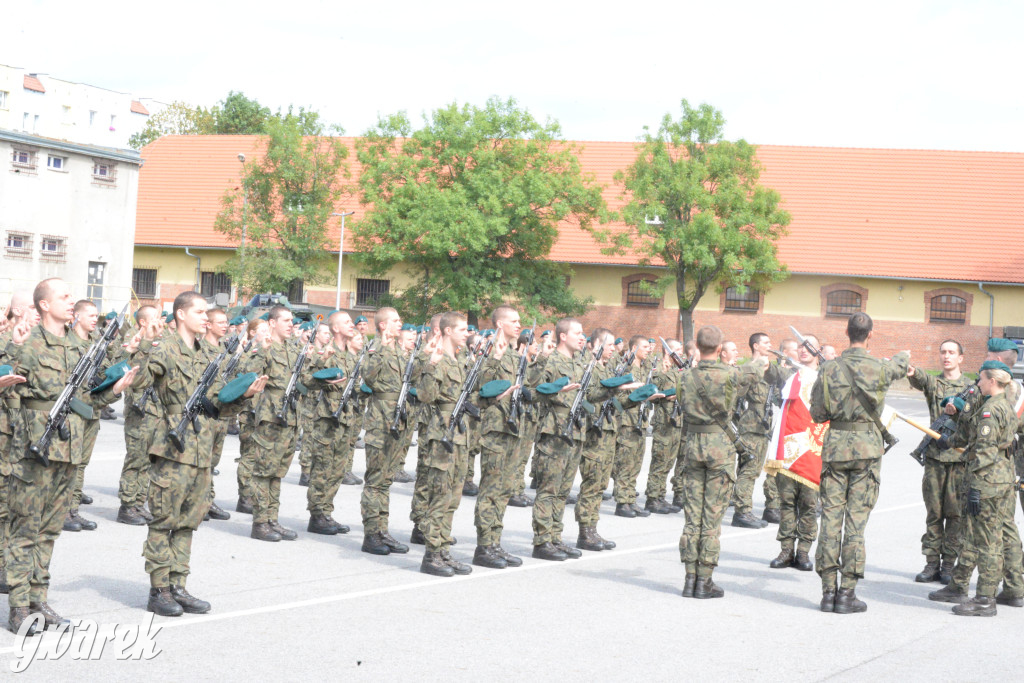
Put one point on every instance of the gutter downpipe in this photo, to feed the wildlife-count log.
(991, 307)
(199, 283)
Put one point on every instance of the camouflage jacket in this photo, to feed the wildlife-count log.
(495, 411)
(966, 424)
(554, 408)
(661, 410)
(989, 459)
(834, 399)
(438, 388)
(755, 381)
(276, 362)
(935, 389)
(328, 396)
(704, 439)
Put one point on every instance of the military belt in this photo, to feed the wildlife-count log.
(34, 404)
(386, 395)
(851, 426)
(703, 429)
(446, 407)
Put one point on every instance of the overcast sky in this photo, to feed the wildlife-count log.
(906, 74)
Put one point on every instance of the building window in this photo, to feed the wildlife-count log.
(637, 295)
(103, 172)
(3, 99)
(369, 292)
(842, 303)
(24, 121)
(56, 163)
(19, 245)
(23, 158)
(92, 117)
(747, 302)
(144, 282)
(948, 308)
(214, 283)
(52, 248)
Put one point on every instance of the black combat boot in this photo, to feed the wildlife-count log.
(469, 488)
(262, 531)
(71, 524)
(86, 524)
(509, 558)
(847, 602)
(319, 524)
(677, 500)
(1009, 599)
(286, 534)
(947, 594)
(244, 506)
(162, 603)
(217, 512)
(930, 572)
(785, 559)
(704, 588)
(50, 616)
(338, 526)
(304, 479)
(189, 602)
(746, 520)
(772, 515)
(484, 556)
(130, 515)
(625, 510)
(946, 570)
(374, 544)
(640, 512)
(393, 545)
(608, 545)
(403, 477)
(828, 600)
(435, 566)
(140, 509)
(18, 616)
(657, 506)
(460, 568)
(351, 480)
(688, 584)
(547, 551)
(977, 606)
(802, 561)
(86, 499)
(588, 539)
(571, 553)
(417, 536)
(518, 501)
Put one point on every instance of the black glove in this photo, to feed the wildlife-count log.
(974, 502)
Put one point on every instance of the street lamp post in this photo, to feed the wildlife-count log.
(245, 208)
(341, 247)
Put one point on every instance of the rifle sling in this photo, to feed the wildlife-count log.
(863, 400)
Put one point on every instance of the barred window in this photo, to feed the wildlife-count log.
(213, 284)
(842, 303)
(747, 302)
(144, 282)
(369, 292)
(52, 248)
(948, 308)
(19, 245)
(637, 295)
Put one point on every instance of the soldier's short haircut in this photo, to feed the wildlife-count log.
(597, 334)
(381, 316)
(787, 342)
(83, 304)
(690, 347)
(184, 300)
(959, 346)
(562, 327)
(276, 312)
(755, 339)
(435, 321)
(858, 327)
(216, 311)
(500, 313)
(335, 319)
(1009, 357)
(43, 291)
(145, 313)
(709, 338)
(450, 319)
(634, 340)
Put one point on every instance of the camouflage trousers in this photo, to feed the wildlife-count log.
(5, 518)
(133, 486)
(557, 463)
(677, 470)
(307, 448)
(848, 492)
(798, 525)
(707, 486)
(664, 449)
(977, 550)
(771, 491)
(329, 443)
(91, 429)
(419, 490)
(629, 458)
(39, 498)
(527, 433)
(445, 474)
(220, 433)
(595, 471)
(273, 447)
(943, 506)
(245, 455)
(382, 463)
(497, 454)
(178, 499)
(747, 472)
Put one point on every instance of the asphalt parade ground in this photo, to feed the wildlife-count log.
(319, 608)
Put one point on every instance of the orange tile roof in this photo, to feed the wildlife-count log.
(33, 83)
(923, 214)
(138, 108)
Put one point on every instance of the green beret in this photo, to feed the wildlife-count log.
(329, 374)
(360, 319)
(5, 370)
(365, 389)
(494, 388)
(238, 320)
(651, 340)
(265, 316)
(643, 393)
(113, 373)
(237, 387)
(412, 392)
(488, 333)
(169, 318)
(408, 327)
(997, 344)
(995, 365)
(955, 400)
(549, 388)
(616, 382)
(670, 392)
(471, 328)
(545, 333)
(618, 340)
(111, 315)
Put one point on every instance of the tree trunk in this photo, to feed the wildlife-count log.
(686, 324)
(471, 318)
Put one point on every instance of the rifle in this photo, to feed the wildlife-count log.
(804, 342)
(606, 408)
(682, 364)
(236, 357)
(943, 424)
(786, 359)
(197, 401)
(140, 405)
(462, 405)
(641, 415)
(291, 390)
(766, 419)
(516, 405)
(575, 412)
(403, 394)
(85, 370)
(350, 385)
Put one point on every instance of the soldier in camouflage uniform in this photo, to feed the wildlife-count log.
(851, 460)
(217, 328)
(308, 405)
(259, 332)
(772, 514)
(676, 481)
(179, 481)
(943, 470)
(667, 437)
(39, 495)
(11, 434)
(708, 392)
(352, 420)
(631, 440)
(273, 441)
(528, 430)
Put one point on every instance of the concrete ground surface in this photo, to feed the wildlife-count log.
(317, 607)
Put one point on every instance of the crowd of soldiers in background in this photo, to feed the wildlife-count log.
(559, 402)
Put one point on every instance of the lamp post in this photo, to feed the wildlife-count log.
(245, 207)
(341, 247)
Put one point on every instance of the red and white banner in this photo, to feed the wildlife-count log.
(795, 447)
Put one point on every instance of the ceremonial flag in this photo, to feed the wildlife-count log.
(795, 448)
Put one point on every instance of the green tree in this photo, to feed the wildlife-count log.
(238, 115)
(177, 118)
(469, 205)
(278, 217)
(716, 226)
